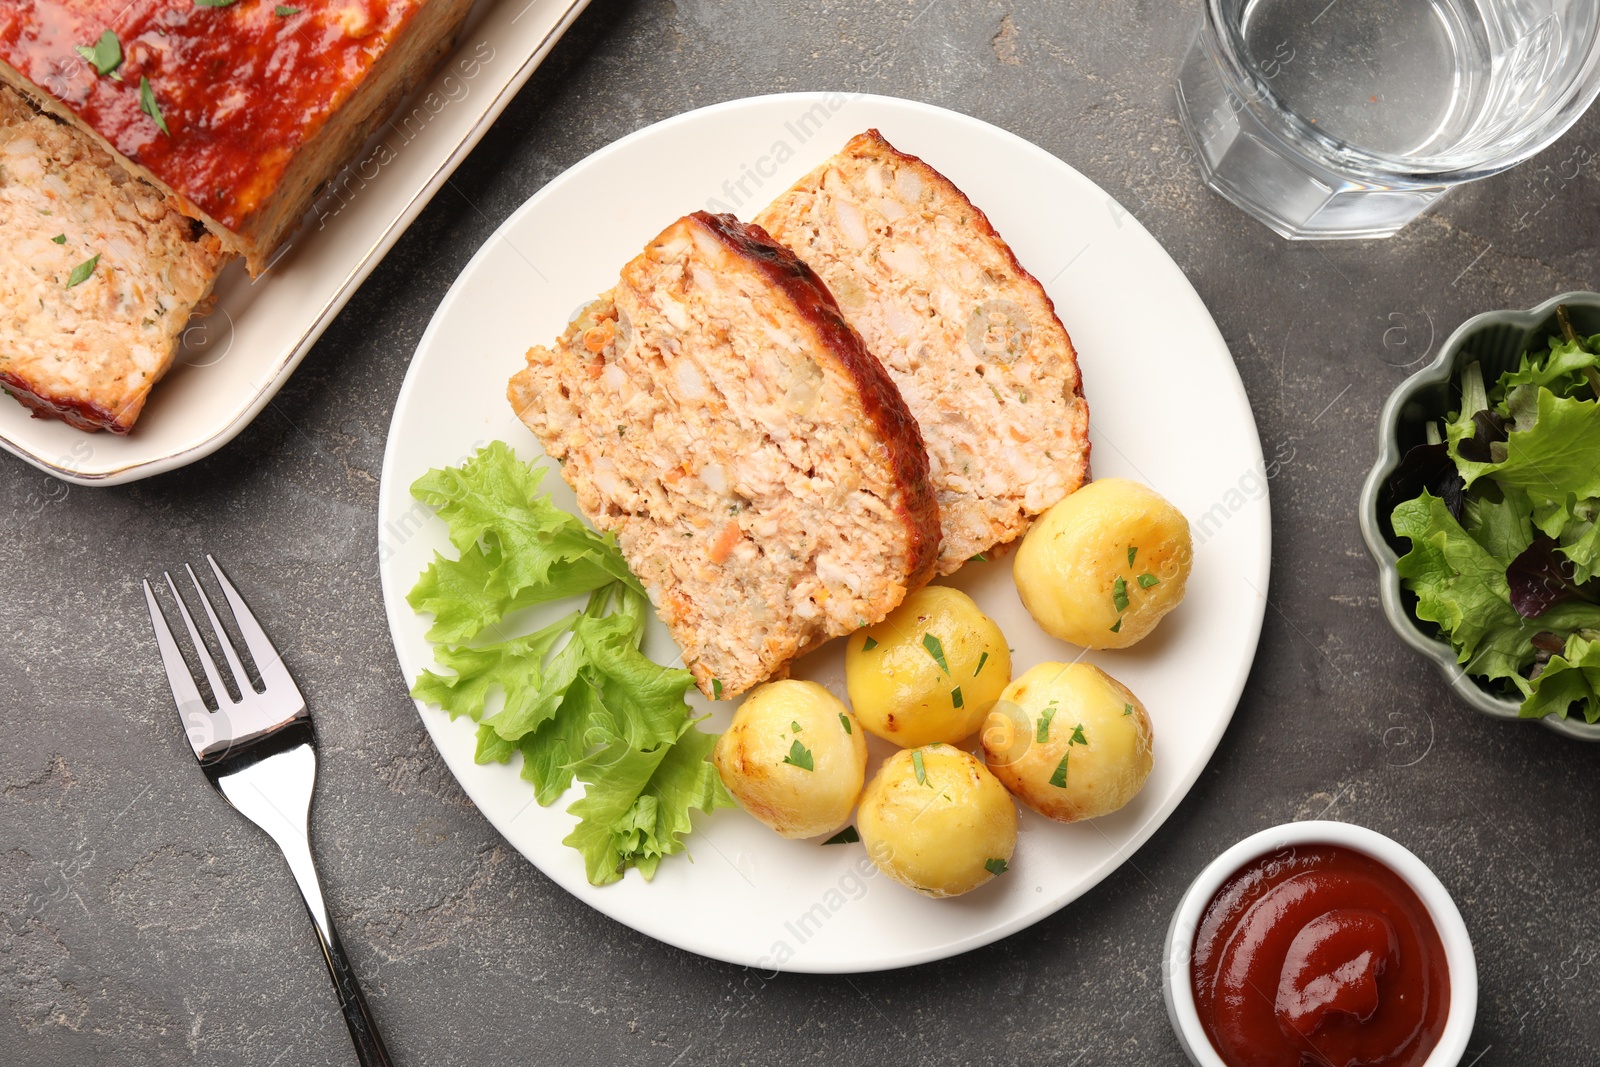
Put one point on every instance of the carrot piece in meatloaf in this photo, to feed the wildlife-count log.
(98, 277)
(969, 336)
(763, 476)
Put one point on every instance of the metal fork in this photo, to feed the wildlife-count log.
(259, 750)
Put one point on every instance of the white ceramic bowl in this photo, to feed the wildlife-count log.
(1178, 988)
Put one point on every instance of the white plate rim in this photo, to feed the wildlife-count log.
(476, 789)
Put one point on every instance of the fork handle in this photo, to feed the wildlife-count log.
(363, 1030)
(275, 794)
(357, 1016)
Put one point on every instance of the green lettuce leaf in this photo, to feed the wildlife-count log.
(1459, 585)
(636, 803)
(1560, 370)
(516, 548)
(577, 697)
(1572, 523)
(560, 741)
(1556, 463)
(1572, 675)
(514, 667)
(1503, 527)
(1555, 457)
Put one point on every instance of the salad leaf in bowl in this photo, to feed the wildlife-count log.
(1481, 513)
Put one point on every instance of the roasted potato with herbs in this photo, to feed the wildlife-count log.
(794, 758)
(930, 671)
(1070, 741)
(935, 819)
(1103, 566)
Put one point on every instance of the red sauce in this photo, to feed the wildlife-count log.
(240, 88)
(1319, 956)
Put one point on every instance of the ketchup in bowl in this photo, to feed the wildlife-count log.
(1319, 955)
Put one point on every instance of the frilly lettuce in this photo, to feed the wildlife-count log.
(1528, 452)
(580, 698)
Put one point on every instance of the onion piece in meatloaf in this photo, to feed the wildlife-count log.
(764, 478)
(968, 335)
(98, 278)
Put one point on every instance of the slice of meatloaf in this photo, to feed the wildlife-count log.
(763, 476)
(967, 334)
(240, 112)
(98, 278)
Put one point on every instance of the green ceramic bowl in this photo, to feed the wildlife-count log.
(1497, 340)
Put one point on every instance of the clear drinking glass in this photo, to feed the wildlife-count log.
(1348, 118)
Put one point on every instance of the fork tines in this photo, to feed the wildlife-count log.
(237, 721)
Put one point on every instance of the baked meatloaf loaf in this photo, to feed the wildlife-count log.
(242, 111)
(98, 278)
(763, 476)
(967, 334)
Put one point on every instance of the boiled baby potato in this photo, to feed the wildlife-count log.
(794, 758)
(935, 819)
(930, 671)
(1070, 741)
(1103, 566)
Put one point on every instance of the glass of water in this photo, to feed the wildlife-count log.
(1347, 118)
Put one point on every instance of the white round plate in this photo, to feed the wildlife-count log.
(1168, 410)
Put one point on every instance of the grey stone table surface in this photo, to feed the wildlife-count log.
(145, 923)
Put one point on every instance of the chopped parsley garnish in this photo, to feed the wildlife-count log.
(1127, 709)
(799, 756)
(60, 238)
(1116, 627)
(979, 558)
(214, 3)
(105, 55)
(847, 836)
(1132, 552)
(1146, 580)
(794, 727)
(844, 720)
(1042, 734)
(81, 272)
(147, 104)
(1059, 779)
(1119, 594)
(716, 689)
(869, 644)
(916, 761)
(1077, 737)
(936, 650)
(981, 661)
(995, 866)
(955, 696)
(283, 11)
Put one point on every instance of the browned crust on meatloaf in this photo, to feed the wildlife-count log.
(77, 413)
(883, 403)
(324, 102)
(760, 470)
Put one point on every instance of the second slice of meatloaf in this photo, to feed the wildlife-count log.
(98, 277)
(967, 334)
(765, 480)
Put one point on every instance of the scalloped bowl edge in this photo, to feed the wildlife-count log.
(1441, 372)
